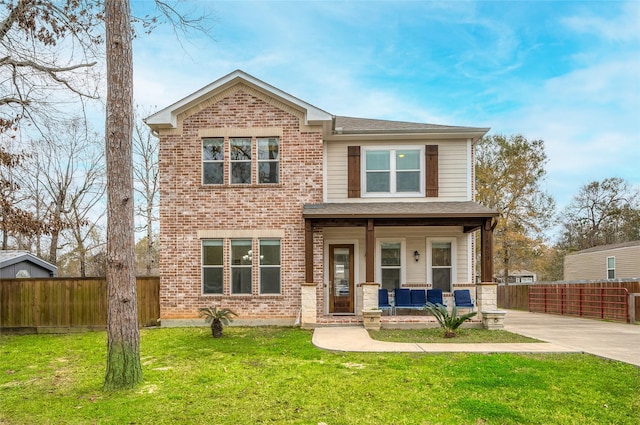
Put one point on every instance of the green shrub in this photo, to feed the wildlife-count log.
(448, 322)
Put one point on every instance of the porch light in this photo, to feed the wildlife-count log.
(416, 255)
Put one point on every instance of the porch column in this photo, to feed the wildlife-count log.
(308, 309)
(486, 252)
(308, 251)
(487, 290)
(370, 242)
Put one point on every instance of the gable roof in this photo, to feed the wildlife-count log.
(607, 247)
(168, 117)
(10, 257)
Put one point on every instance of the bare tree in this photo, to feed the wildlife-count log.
(146, 185)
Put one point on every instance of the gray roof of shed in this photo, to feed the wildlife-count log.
(398, 210)
(10, 257)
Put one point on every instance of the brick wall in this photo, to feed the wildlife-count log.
(187, 207)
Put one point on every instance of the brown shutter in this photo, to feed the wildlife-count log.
(431, 172)
(353, 171)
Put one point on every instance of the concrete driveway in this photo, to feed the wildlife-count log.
(616, 341)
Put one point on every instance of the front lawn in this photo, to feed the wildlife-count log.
(276, 376)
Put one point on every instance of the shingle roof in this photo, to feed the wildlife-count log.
(346, 125)
(398, 210)
(9, 257)
(607, 247)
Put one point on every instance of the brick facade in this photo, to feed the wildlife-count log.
(190, 210)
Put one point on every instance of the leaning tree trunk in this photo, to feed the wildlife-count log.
(123, 345)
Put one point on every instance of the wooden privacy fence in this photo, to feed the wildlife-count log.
(606, 300)
(68, 304)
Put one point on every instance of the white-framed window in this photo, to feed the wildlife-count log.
(270, 266)
(212, 266)
(441, 263)
(241, 266)
(611, 267)
(213, 160)
(393, 172)
(391, 259)
(268, 160)
(242, 162)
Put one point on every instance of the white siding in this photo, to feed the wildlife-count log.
(453, 165)
(415, 239)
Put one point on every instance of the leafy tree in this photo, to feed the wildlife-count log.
(602, 213)
(509, 173)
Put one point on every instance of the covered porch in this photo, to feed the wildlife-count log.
(356, 232)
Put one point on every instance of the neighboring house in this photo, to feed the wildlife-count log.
(518, 276)
(22, 264)
(617, 261)
(263, 194)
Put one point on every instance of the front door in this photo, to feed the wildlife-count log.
(341, 279)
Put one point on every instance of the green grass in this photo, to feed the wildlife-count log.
(463, 335)
(276, 376)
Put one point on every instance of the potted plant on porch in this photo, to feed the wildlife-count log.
(217, 318)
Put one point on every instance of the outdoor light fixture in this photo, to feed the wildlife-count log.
(416, 255)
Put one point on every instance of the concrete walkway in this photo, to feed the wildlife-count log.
(561, 335)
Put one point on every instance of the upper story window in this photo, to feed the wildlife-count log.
(213, 160)
(243, 164)
(393, 171)
(268, 160)
(611, 267)
(399, 171)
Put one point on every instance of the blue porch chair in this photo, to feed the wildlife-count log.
(462, 299)
(434, 296)
(383, 300)
(402, 298)
(418, 298)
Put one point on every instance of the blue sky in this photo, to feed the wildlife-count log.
(566, 72)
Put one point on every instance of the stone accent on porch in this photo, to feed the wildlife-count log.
(308, 309)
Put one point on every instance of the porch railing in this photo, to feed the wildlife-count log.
(601, 303)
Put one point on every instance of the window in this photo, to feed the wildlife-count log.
(611, 267)
(393, 171)
(240, 158)
(391, 264)
(241, 265)
(268, 160)
(269, 266)
(441, 263)
(213, 161)
(212, 266)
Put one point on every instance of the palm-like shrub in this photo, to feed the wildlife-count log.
(217, 318)
(448, 322)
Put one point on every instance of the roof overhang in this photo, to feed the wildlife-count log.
(167, 118)
(435, 134)
(398, 210)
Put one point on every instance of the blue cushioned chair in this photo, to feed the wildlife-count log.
(383, 300)
(402, 298)
(434, 296)
(462, 299)
(418, 298)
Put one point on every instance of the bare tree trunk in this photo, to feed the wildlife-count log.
(123, 357)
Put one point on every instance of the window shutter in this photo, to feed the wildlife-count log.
(353, 171)
(431, 172)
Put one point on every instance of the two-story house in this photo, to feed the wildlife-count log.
(269, 204)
